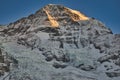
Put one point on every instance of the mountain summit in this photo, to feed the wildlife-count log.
(58, 43)
(57, 15)
(52, 16)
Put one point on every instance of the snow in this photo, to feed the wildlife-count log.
(33, 63)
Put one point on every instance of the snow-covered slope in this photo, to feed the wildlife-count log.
(58, 43)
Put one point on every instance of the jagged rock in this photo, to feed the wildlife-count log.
(84, 42)
(31, 41)
(87, 68)
(5, 62)
(49, 58)
(108, 57)
(59, 65)
(113, 74)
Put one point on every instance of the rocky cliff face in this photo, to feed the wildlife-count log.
(58, 43)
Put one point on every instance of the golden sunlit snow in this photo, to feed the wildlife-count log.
(75, 15)
(53, 22)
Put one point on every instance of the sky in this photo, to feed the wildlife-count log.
(106, 11)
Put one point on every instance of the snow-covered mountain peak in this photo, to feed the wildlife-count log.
(58, 43)
(58, 14)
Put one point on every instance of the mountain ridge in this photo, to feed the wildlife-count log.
(54, 15)
(50, 9)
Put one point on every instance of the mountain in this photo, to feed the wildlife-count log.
(58, 43)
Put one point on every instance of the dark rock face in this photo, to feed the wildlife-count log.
(57, 65)
(5, 62)
(87, 67)
(77, 49)
(113, 74)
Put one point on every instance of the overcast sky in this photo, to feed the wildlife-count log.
(107, 11)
